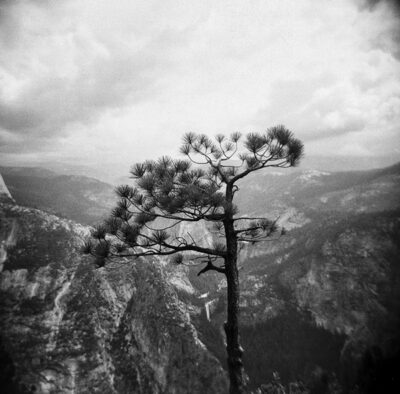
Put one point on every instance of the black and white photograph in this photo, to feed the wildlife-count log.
(199, 197)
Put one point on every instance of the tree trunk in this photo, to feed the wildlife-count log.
(234, 350)
(231, 326)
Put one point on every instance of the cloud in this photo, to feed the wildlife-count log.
(95, 81)
(385, 35)
(63, 70)
(371, 5)
(326, 106)
(347, 98)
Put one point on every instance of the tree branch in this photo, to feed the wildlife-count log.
(282, 164)
(211, 267)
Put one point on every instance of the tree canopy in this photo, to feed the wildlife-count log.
(169, 192)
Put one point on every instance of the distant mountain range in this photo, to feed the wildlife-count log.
(85, 200)
(330, 286)
(117, 173)
(321, 301)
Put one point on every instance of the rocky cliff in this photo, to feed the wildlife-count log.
(5, 195)
(322, 300)
(67, 327)
(330, 286)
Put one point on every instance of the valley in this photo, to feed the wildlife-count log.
(320, 304)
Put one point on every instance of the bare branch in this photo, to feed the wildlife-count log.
(254, 240)
(211, 267)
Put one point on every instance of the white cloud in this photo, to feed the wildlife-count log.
(105, 82)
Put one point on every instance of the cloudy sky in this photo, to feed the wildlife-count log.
(109, 83)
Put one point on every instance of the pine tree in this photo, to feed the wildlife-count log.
(202, 187)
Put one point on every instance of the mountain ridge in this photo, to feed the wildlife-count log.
(333, 280)
(69, 327)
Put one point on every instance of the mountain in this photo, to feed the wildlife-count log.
(320, 304)
(317, 191)
(68, 327)
(85, 200)
(6, 231)
(324, 299)
(5, 195)
(346, 163)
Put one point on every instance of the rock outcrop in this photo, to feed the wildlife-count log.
(331, 286)
(323, 298)
(68, 327)
(5, 196)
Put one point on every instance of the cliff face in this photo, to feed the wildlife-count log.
(5, 195)
(325, 296)
(330, 286)
(67, 327)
